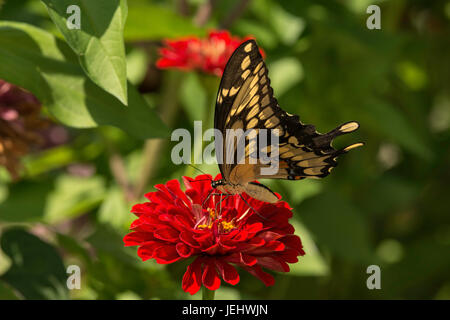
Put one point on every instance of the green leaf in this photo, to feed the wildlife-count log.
(99, 41)
(73, 196)
(16, 208)
(389, 121)
(37, 61)
(7, 293)
(114, 210)
(137, 62)
(284, 74)
(308, 189)
(147, 21)
(66, 197)
(193, 97)
(312, 263)
(37, 270)
(338, 226)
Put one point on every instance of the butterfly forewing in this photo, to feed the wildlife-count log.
(245, 101)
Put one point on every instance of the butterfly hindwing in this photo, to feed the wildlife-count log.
(245, 101)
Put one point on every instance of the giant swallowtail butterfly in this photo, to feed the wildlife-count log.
(245, 101)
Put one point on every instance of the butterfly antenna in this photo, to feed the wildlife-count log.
(196, 168)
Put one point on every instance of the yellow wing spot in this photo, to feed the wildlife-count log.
(284, 149)
(353, 146)
(245, 74)
(253, 91)
(233, 91)
(313, 171)
(237, 125)
(299, 157)
(252, 123)
(278, 131)
(349, 127)
(263, 80)
(248, 47)
(293, 140)
(265, 101)
(258, 67)
(254, 81)
(266, 113)
(254, 100)
(264, 89)
(225, 92)
(261, 72)
(297, 154)
(219, 98)
(245, 63)
(272, 122)
(253, 112)
(315, 162)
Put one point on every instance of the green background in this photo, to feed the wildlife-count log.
(385, 204)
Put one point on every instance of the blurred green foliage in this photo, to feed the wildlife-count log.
(386, 204)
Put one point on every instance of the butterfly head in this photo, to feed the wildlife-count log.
(217, 183)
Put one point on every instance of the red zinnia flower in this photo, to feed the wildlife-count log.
(208, 55)
(177, 225)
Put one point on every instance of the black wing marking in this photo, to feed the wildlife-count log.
(245, 100)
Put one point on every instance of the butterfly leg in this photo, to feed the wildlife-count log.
(214, 194)
(220, 203)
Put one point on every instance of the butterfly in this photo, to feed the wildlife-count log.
(245, 101)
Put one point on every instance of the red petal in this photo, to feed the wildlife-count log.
(266, 278)
(248, 259)
(188, 238)
(210, 278)
(147, 250)
(137, 238)
(192, 277)
(140, 208)
(167, 234)
(212, 250)
(184, 250)
(228, 272)
(273, 263)
(166, 254)
(293, 242)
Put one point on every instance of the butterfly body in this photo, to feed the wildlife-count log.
(245, 101)
(255, 190)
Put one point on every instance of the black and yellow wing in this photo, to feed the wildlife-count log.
(245, 101)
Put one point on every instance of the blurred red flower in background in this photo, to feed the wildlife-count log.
(178, 225)
(22, 128)
(209, 55)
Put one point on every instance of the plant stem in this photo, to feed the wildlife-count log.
(208, 294)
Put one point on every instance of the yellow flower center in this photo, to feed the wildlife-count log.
(224, 226)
